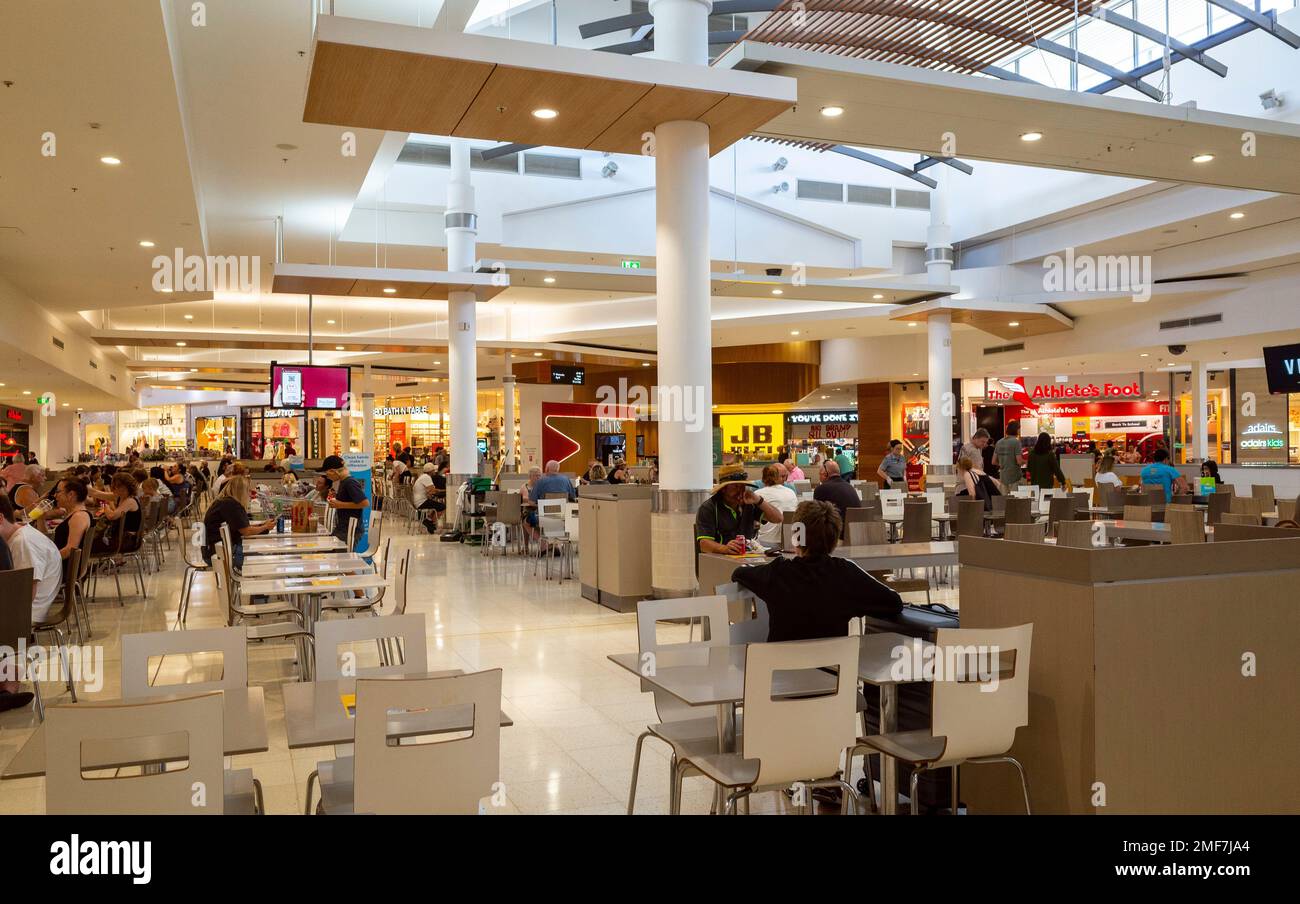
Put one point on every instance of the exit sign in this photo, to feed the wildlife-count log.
(631, 265)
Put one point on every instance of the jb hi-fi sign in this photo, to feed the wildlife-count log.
(1031, 390)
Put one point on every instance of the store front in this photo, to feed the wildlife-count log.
(270, 432)
(15, 434)
(151, 429)
(98, 432)
(216, 434)
(1266, 428)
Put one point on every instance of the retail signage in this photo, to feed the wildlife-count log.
(1091, 409)
(397, 412)
(1261, 435)
(1263, 427)
(281, 412)
(755, 435)
(822, 417)
(1029, 391)
(18, 415)
(821, 425)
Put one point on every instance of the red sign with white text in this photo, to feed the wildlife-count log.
(1035, 391)
(1089, 409)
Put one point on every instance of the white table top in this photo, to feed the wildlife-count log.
(283, 586)
(255, 568)
(293, 543)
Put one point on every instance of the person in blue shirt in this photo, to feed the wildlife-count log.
(1165, 474)
(552, 482)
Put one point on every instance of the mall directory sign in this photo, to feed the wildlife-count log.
(1282, 362)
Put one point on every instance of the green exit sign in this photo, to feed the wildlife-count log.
(631, 265)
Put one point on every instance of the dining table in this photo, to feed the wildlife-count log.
(304, 565)
(714, 676)
(280, 544)
(244, 731)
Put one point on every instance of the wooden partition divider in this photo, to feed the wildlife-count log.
(1164, 679)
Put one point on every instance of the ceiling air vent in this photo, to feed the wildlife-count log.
(406, 385)
(94, 366)
(811, 190)
(1191, 321)
(999, 349)
(58, 343)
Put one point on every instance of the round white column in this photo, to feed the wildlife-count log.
(1200, 438)
(461, 225)
(367, 415)
(682, 30)
(942, 402)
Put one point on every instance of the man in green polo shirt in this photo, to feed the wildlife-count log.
(731, 515)
(845, 461)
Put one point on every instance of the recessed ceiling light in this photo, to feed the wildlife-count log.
(832, 111)
(180, 344)
(645, 363)
(65, 404)
(110, 161)
(877, 296)
(778, 291)
(794, 332)
(537, 354)
(1031, 136)
(146, 244)
(1024, 368)
(439, 362)
(548, 279)
(825, 397)
(27, 392)
(389, 290)
(1236, 215)
(338, 348)
(916, 375)
(189, 316)
(912, 323)
(1202, 158)
(1144, 355)
(1014, 323)
(330, 322)
(545, 113)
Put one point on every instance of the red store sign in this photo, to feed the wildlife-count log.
(1032, 390)
(1090, 409)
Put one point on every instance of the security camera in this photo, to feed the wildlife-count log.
(1176, 350)
(777, 189)
(781, 163)
(1270, 99)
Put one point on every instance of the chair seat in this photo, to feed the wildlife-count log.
(240, 798)
(275, 607)
(337, 798)
(916, 747)
(271, 630)
(686, 731)
(731, 770)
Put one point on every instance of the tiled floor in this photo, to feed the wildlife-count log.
(576, 714)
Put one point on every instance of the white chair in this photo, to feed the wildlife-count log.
(70, 729)
(550, 523)
(446, 777)
(352, 605)
(243, 792)
(374, 534)
(240, 615)
(974, 721)
(938, 501)
(753, 627)
(685, 729)
(194, 565)
(789, 741)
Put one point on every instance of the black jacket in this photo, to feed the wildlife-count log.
(809, 597)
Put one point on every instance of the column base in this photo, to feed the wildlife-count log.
(672, 542)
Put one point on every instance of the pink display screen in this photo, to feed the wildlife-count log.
(303, 386)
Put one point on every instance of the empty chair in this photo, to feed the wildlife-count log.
(72, 732)
(1019, 510)
(1077, 534)
(1219, 504)
(684, 728)
(866, 533)
(1061, 508)
(787, 741)
(1265, 494)
(937, 499)
(1247, 505)
(194, 565)
(1154, 493)
(374, 534)
(369, 602)
(447, 777)
(1238, 518)
(243, 792)
(970, 517)
(917, 522)
(867, 489)
(975, 713)
(753, 629)
(1137, 513)
(1027, 533)
(999, 505)
(1186, 526)
(1183, 499)
(1286, 509)
(1111, 497)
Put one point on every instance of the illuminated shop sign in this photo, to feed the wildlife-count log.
(392, 412)
(823, 417)
(1263, 427)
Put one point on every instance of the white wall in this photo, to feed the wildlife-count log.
(529, 408)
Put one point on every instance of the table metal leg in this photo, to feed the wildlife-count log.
(888, 768)
(726, 744)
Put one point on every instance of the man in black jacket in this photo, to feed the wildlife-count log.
(814, 594)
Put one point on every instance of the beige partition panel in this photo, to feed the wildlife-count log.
(623, 556)
(589, 547)
(1137, 695)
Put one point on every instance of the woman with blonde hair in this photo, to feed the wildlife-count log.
(231, 509)
(976, 484)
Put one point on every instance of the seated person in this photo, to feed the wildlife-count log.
(425, 498)
(231, 508)
(814, 594)
(1165, 474)
(551, 482)
(785, 499)
(836, 490)
(28, 547)
(731, 516)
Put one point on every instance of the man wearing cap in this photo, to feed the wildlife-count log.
(349, 496)
(731, 515)
(424, 495)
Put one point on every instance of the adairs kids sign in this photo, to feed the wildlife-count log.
(1031, 391)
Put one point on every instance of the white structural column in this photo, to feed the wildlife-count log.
(508, 428)
(938, 266)
(461, 224)
(1200, 438)
(685, 375)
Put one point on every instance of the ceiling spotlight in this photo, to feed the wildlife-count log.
(65, 404)
(110, 161)
(877, 296)
(329, 322)
(1236, 215)
(794, 332)
(146, 244)
(832, 111)
(537, 354)
(916, 375)
(781, 163)
(180, 344)
(825, 397)
(1202, 158)
(189, 316)
(1144, 355)
(389, 290)
(545, 113)
(1014, 323)
(549, 280)
(778, 291)
(645, 363)
(912, 323)
(609, 169)
(338, 348)
(1024, 368)
(1032, 136)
